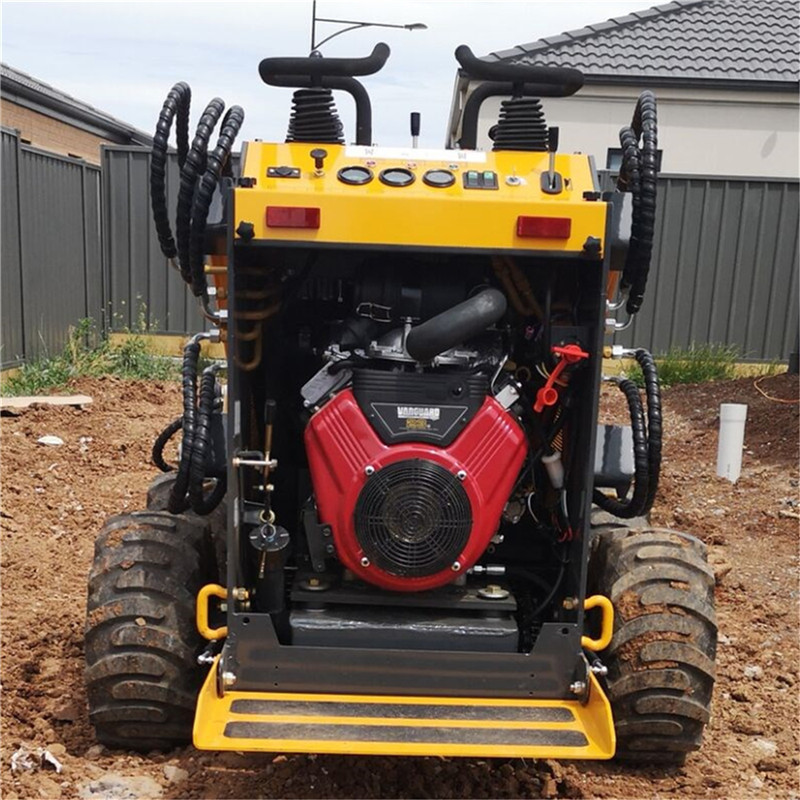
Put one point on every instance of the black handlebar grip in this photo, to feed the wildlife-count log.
(415, 123)
(317, 67)
(552, 140)
(564, 80)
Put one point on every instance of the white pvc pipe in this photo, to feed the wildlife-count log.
(732, 417)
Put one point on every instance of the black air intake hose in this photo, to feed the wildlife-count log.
(216, 161)
(639, 175)
(177, 102)
(646, 444)
(458, 324)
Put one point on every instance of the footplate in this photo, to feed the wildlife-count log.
(391, 725)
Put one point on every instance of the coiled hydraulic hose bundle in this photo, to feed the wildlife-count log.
(193, 470)
(200, 173)
(646, 443)
(639, 176)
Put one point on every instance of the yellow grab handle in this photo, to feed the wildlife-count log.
(606, 625)
(201, 612)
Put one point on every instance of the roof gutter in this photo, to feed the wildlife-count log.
(96, 124)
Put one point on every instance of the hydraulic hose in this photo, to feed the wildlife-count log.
(635, 506)
(176, 103)
(161, 442)
(646, 443)
(191, 354)
(193, 167)
(216, 160)
(639, 175)
(201, 448)
(654, 429)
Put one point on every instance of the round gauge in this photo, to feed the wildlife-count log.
(440, 178)
(397, 176)
(355, 176)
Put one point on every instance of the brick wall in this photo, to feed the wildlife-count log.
(51, 134)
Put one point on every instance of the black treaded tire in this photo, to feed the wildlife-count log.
(158, 499)
(141, 643)
(661, 659)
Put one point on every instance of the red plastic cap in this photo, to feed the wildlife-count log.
(544, 227)
(292, 217)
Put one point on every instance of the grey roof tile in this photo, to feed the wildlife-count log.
(721, 40)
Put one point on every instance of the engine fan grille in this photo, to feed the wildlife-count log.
(413, 518)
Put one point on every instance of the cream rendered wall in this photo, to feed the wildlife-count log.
(703, 132)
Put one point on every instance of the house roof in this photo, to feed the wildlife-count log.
(23, 89)
(750, 43)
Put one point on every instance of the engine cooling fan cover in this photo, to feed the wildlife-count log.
(413, 518)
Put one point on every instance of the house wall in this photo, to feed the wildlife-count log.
(51, 134)
(701, 132)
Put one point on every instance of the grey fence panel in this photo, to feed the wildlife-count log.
(51, 258)
(143, 286)
(725, 267)
(12, 330)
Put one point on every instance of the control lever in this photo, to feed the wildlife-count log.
(415, 125)
(552, 182)
(319, 155)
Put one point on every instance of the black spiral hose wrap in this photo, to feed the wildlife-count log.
(177, 103)
(639, 175)
(177, 498)
(201, 448)
(635, 505)
(646, 443)
(194, 166)
(216, 160)
(160, 443)
(654, 429)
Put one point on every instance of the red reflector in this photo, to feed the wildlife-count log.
(544, 227)
(292, 217)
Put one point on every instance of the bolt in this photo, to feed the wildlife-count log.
(313, 582)
(599, 669)
(228, 679)
(570, 603)
(578, 687)
(370, 470)
(240, 593)
(365, 562)
(461, 474)
(456, 566)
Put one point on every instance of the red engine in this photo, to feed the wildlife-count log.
(411, 516)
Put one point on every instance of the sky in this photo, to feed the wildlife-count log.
(122, 57)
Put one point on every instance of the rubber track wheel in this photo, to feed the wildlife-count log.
(661, 658)
(141, 643)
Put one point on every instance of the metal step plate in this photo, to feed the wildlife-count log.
(383, 725)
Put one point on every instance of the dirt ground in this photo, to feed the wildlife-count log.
(55, 498)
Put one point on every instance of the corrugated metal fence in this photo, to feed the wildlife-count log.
(725, 261)
(52, 272)
(725, 267)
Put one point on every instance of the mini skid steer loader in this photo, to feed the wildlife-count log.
(381, 534)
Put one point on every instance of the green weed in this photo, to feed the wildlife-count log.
(87, 355)
(699, 363)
